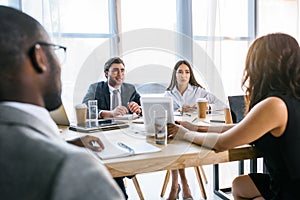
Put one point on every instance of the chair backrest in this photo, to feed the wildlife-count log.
(237, 107)
(151, 88)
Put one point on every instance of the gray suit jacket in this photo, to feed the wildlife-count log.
(100, 92)
(34, 165)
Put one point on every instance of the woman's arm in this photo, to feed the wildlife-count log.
(270, 115)
(212, 128)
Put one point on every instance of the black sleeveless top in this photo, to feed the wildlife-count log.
(282, 154)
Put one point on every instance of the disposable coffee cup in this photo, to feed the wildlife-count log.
(201, 107)
(80, 110)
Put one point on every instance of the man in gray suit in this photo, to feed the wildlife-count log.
(127, 98)
(35, 163)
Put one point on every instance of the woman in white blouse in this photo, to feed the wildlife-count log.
(185, 90)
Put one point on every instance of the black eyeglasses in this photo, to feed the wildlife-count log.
(60, 51)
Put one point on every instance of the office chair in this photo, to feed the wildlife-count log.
(237, 107)
(151, 88)
(237, 110)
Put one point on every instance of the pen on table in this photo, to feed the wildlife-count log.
(194, 119)
(121, 144)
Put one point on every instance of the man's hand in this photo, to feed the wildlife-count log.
(93, 143)
(88, 141)
(134, 107)
(119, 110)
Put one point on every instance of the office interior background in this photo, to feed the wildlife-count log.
(213, 35)
(151, 35)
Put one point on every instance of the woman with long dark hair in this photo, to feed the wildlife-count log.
(185, 90)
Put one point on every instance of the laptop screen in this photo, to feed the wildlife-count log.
(157, 104)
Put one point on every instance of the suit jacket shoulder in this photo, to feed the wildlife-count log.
(100, 91)
(34, 164)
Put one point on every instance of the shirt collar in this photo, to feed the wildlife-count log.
(190, 87)
(111, 89)
(37, 111)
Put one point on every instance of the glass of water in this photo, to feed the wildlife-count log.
(160, 126)
(93, 110)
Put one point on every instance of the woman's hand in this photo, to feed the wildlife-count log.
(188, 125)
(176, 132)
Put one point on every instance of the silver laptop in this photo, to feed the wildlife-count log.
(60, 117)
(150, 104)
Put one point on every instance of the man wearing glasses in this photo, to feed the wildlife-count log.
(114, 96)
(35, 162)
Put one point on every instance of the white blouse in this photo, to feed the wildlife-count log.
(190, 95)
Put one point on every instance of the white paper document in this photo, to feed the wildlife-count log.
(127, 117)
(122, 149)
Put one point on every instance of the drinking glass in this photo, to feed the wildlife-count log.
(93, 110)
(160, 126)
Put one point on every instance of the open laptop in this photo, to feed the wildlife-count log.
(60, 116)
(157, 104)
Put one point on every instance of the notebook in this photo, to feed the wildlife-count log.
(59, 116)
(150, 104)
(120, 149)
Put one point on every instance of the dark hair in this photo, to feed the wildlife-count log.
(111, 61)
(272, 65)
(192, 80)
(18, 33)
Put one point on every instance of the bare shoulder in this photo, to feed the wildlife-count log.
(275, 110)
(273, 103)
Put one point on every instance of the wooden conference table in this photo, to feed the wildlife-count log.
(175, 155)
